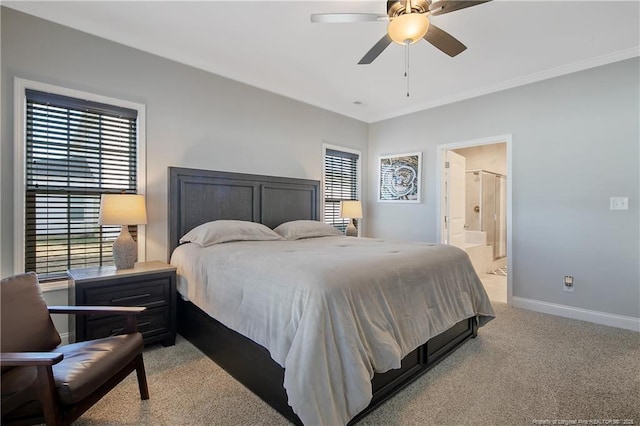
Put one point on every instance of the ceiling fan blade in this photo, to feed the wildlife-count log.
(340, 18)
(444, 41)
(445, 6)
(376, 50)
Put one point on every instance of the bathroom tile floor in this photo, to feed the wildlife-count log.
(495, 286)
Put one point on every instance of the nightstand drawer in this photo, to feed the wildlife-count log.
(150, 323)
(150, 293)
(149, 284)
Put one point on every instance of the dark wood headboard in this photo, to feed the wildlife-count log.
(199, 196)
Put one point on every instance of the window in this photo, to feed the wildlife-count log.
(341, 182)
(74, 150)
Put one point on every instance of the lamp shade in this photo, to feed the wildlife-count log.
(122, 209)
(408, 28)
(351, 209)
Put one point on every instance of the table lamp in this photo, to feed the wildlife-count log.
(124, 210)
(353, 211)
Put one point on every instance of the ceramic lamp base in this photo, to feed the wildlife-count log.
(351, 230)
(125, 250)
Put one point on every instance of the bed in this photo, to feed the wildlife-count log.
(200, 196)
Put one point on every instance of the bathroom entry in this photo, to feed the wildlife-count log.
(483, 195)
(474, 208)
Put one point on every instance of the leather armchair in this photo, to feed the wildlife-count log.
(44, 382)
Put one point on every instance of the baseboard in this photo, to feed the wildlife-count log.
(613, 320)
(65, 338)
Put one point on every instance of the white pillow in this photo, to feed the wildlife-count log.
(298, 229)
(222, 231)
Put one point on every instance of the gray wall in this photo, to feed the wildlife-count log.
(575, 144)
(194, 119)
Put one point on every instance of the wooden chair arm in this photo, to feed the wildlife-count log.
(130, 313)
(88, 310)
(17, 359)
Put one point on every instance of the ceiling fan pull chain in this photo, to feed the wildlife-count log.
(406, 65)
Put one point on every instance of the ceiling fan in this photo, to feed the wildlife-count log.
(408, 23)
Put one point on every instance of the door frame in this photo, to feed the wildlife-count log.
(440, 205)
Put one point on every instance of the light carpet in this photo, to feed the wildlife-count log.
(524, 368)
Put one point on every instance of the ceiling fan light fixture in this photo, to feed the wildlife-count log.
(408, 28)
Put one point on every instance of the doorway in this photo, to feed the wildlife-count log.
(475, 207)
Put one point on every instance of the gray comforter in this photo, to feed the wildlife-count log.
(333, 310)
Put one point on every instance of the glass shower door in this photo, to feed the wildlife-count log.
(494, 214)
(489, 208)
(500, 247)
(486, 208)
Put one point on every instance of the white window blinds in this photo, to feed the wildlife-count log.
(341, 170)
(75, 151)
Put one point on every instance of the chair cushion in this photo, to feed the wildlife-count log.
(88, 365)
(25, 322)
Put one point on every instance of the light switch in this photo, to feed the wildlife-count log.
(619, 203)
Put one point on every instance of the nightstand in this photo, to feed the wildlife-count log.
(149, 284)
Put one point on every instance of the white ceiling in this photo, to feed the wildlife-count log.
(274, 46)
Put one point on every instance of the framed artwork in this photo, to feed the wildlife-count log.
(399, 178)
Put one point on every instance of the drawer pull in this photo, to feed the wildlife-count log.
(118, 330)
(124, 299)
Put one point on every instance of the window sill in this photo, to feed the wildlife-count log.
(54, 286)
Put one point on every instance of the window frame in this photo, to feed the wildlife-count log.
(327, 146)
(20, 146)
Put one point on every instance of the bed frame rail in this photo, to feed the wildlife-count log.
(251, 364)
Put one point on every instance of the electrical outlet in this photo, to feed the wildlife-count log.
(568, 283)
(619, 203)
